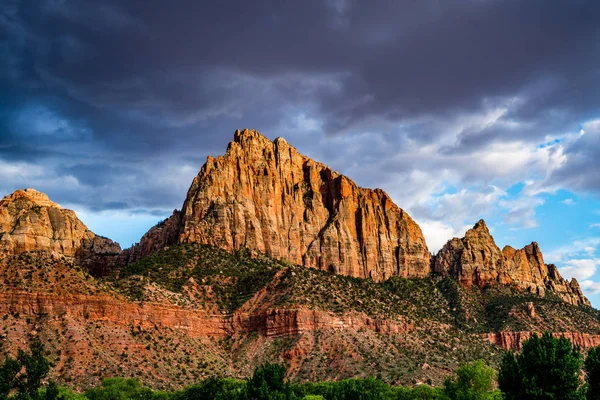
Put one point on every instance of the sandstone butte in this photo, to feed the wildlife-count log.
(30, 221)
(266, 196)
(476, 259)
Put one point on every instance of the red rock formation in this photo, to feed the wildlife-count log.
(105, 308)
(476, 259)
(273, 322)
(267, 197)
(514, 340)
(283, 322)
(29, 221)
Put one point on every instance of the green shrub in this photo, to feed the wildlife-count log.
(473, 381)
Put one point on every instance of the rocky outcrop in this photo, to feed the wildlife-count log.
(163, 234)
(514, 340)
(30, 221)
(476, 259)
(266, 196)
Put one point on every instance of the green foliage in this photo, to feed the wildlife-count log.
(8, 376)
(52, 392)
(421, 392)
(212, 389)
(122, 389)
(23, 376)
(267, 383)
(473, 381)
(592, 370)
(36, 368)
(547, 368)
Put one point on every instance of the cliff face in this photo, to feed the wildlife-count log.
(266, 196)
(29, 221)
(476, 259)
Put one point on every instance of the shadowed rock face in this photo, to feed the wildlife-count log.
(29, 221)
(475, 259)
(266, 196)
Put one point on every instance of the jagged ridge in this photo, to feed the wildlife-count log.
(476, 259)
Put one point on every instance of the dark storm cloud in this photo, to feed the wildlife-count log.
(122, 89)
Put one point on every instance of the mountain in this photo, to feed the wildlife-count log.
(475, 259)
(273, 257)
(266, 196)
(30, 221)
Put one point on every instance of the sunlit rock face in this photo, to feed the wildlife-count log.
(30, 221)
(477, 260)
(266, 196)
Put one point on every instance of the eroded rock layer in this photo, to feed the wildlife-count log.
(30, 221)
(515, 340)
(476, 259)
(266, 196)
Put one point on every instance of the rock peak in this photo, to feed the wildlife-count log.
(266, 196)
(480, 225)
(31, 195)
(246, 135)
(30, 221)
(477, 260)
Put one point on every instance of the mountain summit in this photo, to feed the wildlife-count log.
(30, 221)
(266, 196)
(476, 259)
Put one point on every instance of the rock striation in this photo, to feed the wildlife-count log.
(266, 196)
(30, 221)
(477, 260)
(514, 340)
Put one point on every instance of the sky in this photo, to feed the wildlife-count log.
(460, 110)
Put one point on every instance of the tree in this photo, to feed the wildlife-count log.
(9, 371)
(592, 370)
(547, 368)
(24, 375)
(36, 368)
(473, 381)
(267, 383)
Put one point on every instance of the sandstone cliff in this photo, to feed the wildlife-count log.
(29, 221)
(476, 259)
(266, 196)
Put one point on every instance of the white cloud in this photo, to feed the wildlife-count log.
(521, 211)
(596, 225)
(590, 287)
(437, 233)
(577, 249)
(580, 269)
(568, 202)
